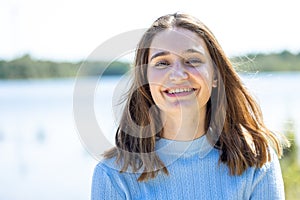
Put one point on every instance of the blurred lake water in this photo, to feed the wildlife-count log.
(42, 156)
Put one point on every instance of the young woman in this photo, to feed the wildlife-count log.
(190, 129)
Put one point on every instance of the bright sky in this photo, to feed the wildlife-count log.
(69, 30)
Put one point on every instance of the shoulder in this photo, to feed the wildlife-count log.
(113, 169)
(108, 165)
(110, 183)
(271, 165)
(105, 184)
(267, 180)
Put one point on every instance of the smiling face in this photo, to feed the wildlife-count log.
(180, 71)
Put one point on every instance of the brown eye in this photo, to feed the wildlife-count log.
(162, 64)
(193, 62)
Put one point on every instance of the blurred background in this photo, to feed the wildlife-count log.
(44, 43)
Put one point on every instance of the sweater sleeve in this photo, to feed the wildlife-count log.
(103, 187)
(268, 183)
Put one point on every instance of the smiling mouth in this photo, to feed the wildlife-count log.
(179, 91)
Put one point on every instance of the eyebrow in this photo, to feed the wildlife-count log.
(194, 51)
(161, 53)
(164, 53)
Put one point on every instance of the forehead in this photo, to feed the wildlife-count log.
(177, 41)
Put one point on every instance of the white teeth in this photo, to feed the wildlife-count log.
(178, 90)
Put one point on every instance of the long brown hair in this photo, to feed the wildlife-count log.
(139, 128)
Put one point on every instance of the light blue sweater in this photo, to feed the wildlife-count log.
(194, 173)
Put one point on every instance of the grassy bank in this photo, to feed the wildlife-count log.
(290, 164)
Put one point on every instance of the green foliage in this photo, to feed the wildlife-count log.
(290, 165)
(284, 61)
(25, 68)
(103, 68)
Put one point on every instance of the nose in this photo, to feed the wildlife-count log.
(178, 73)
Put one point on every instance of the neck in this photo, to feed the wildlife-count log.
(184, 126)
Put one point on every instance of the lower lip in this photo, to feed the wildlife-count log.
(180, 94)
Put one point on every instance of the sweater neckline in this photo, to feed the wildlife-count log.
(199, 146)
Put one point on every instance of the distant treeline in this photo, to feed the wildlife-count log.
(25, 67)
(283, 61)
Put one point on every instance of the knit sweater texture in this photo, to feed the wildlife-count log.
(194, 173)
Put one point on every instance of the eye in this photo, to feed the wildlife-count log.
(162, 64)
(193, 62)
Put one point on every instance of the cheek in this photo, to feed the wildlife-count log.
(204, 75)
(155, 78)
(154, 81)
(155, 93)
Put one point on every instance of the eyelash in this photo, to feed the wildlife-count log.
(162, 64)
(193, 62)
